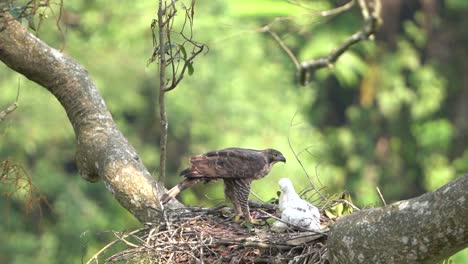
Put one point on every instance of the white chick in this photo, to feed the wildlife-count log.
(295, 210)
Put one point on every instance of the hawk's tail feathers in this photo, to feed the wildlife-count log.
(177, 189)
(184, 172)
(191, 173)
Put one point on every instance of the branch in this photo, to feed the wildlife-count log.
(102, 151)
(370, 10)
(8, 110)
(162, 89)
(164, 45)
(425, 229)
(372, 21)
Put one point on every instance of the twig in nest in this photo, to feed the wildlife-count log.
(338, 201)
(95, 256)
(381, 196)
(202, 235)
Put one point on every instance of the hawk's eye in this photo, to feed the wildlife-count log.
(275, 155)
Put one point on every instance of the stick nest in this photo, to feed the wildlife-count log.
(206, 235)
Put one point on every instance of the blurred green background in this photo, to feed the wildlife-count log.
(391, 113)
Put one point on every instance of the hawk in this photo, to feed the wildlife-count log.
(236, 166)
(295, 210)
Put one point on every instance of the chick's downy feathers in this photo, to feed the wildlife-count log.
(295, 210)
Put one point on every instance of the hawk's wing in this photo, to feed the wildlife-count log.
(227, 163)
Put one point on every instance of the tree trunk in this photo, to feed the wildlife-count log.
(102, 151)
(425, 229)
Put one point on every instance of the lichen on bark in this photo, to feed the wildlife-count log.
(425, 229)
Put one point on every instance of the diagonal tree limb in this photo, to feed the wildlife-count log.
(425, 229)
(102, 151)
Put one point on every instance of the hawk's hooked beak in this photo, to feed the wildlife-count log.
(283, 159)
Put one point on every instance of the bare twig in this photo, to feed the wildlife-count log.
(283, 45)
(336, 11)
(123, 239)
(12, 107)
(371, 14)
(380, 196)
(202, 235)
(175, 51)
(372, 21)
(299, 161)
(8, 110)
(95, 256)
(338, 201)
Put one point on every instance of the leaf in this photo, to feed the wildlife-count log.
(330, 214)
(342, 208)
(190, 68)
(270, 221)
(347, 209)
(336, 210)
(184, 53)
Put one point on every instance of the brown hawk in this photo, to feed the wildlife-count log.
(236, 166)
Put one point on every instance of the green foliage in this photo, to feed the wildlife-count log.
(268, 8)
(379, 117)
(434, 135)
(457, 4)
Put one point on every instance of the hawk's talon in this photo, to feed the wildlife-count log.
(236, 218)
(255, 221)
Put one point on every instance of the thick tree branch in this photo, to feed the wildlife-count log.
(102, 150)
(425, 229)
